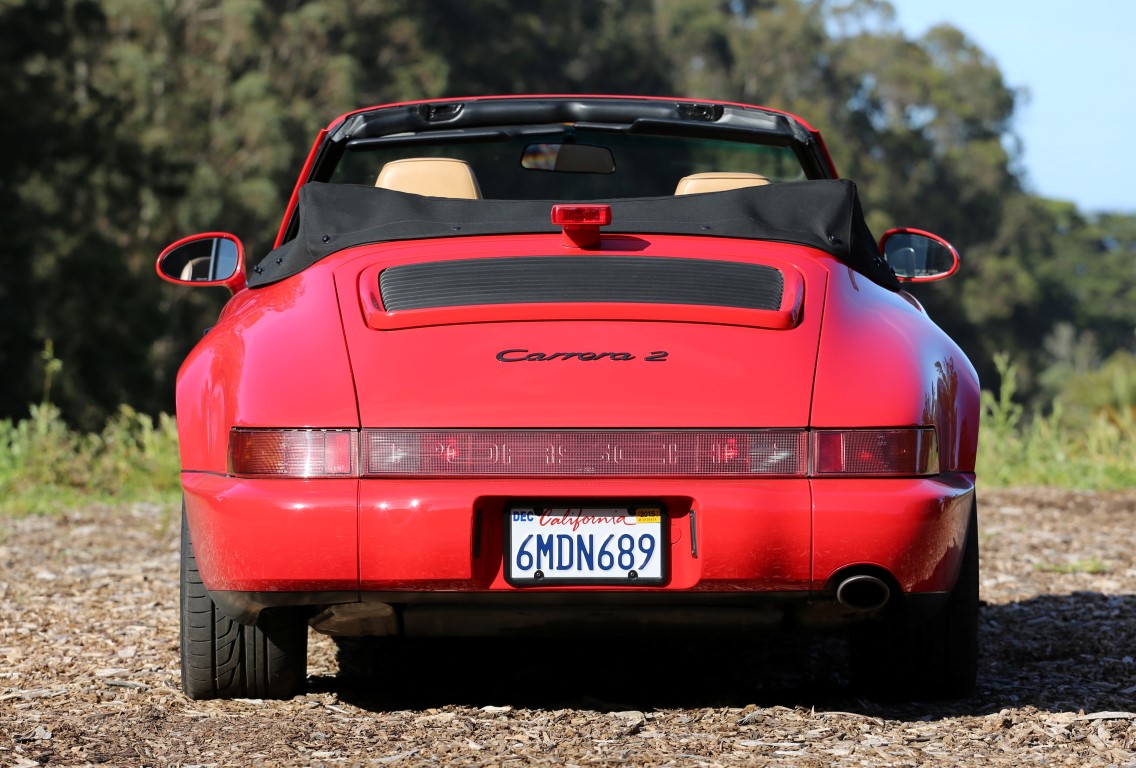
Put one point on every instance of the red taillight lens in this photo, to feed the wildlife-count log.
(294, 452)
(562, 214)
(875, 452)
(581, 223)
(585, 453)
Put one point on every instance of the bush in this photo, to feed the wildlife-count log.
(45, 465)
(1096, 450)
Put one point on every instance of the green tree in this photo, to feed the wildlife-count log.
(146, 121)
(57, 145)
(544, 46)
(130, 123)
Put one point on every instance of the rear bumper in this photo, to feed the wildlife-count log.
(756, 550)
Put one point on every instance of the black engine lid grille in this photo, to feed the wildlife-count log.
(581, 279)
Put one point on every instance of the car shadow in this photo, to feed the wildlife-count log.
(1054, 652)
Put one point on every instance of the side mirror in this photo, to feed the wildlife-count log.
(917, 256)
(213, 258)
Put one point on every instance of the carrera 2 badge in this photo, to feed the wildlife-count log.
(527, 356)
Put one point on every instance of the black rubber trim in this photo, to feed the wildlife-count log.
(460, 115)
(693, 516)
(458, 612)
(572, 279)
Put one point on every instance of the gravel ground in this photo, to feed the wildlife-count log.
(89, 670)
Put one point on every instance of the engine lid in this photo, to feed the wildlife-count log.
(576, 374)
(495, 336)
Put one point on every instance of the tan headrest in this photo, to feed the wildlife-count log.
(718, 181)
(195, 269)
(430, 176)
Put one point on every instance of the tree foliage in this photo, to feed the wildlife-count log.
(130, 123)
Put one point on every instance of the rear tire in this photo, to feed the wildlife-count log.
(221, 659)
(900, 658)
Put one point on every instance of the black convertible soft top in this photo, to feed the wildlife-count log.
(822, 214)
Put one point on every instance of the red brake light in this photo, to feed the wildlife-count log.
(875, 452)
(599, 215)
(581, 223)
(294, 452)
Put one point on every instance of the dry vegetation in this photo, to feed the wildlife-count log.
(89, 670)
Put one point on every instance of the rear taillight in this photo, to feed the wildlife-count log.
(294, 452)
(874, 452)
(314, 453)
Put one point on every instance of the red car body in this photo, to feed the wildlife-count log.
(843, 363)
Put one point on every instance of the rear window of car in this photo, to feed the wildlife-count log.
(571, 162)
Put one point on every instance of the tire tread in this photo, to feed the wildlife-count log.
(222, 659)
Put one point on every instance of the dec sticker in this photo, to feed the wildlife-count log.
(648, 515)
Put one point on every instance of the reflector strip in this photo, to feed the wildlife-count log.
(600, 453)
(447, 453)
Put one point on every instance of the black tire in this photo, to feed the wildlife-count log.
(900, 658)
(221, 659)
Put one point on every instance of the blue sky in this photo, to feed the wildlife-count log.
(1078, 63)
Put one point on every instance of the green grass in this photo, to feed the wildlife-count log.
(1016, 448)
(46, 466)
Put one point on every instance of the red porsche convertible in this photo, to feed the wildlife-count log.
(552, 364)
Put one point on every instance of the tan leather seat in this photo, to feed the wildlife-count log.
(195, 269)
(430, 176)
(718, 181)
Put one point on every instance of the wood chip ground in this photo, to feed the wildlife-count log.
(89, 670)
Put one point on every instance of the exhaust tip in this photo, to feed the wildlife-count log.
(357, 620)
(863, 593)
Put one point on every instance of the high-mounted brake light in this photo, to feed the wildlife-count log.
(581, 223)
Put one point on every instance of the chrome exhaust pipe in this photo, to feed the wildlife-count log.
(863, 593)
(357, 620)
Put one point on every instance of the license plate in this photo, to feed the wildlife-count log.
(557, 544)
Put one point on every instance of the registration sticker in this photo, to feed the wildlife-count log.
(616, 545)
(648, 515)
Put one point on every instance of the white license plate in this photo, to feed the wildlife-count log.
(591, 545)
